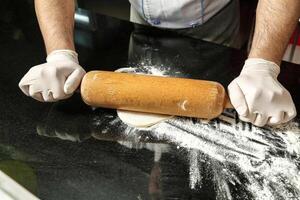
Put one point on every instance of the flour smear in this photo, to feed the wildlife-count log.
(267, 159)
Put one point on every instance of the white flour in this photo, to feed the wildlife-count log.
(267, 158)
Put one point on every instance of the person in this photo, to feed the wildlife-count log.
(256, 94)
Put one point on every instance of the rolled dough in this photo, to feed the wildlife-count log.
(139, 119)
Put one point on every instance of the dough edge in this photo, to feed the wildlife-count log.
(140, 119)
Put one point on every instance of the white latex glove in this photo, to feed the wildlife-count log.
(54, 80)
(257, 95)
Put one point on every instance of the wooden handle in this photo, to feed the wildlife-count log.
(227, 102)
(154, 94)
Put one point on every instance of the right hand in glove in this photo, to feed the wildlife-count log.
(54, 80)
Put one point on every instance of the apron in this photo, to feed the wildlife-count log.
(222, 28)
(175, 14)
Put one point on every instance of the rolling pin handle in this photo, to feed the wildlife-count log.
(227, 102)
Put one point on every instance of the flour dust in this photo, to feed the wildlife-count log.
(264, 163)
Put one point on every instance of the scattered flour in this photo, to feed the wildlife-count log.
(267, 159)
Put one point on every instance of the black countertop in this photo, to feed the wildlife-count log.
(66, 150)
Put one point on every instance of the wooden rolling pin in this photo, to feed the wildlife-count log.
(154, 94)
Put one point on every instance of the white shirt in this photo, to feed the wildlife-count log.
(177, 13)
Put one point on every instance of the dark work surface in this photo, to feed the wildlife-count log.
(66, 150)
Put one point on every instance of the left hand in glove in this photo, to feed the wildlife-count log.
(258, 96)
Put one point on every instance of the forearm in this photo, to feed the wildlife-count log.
(275, 22)
(56, 21)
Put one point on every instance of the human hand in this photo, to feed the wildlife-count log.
(257, 95)
(54, 80)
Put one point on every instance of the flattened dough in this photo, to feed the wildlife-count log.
(141, 120)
